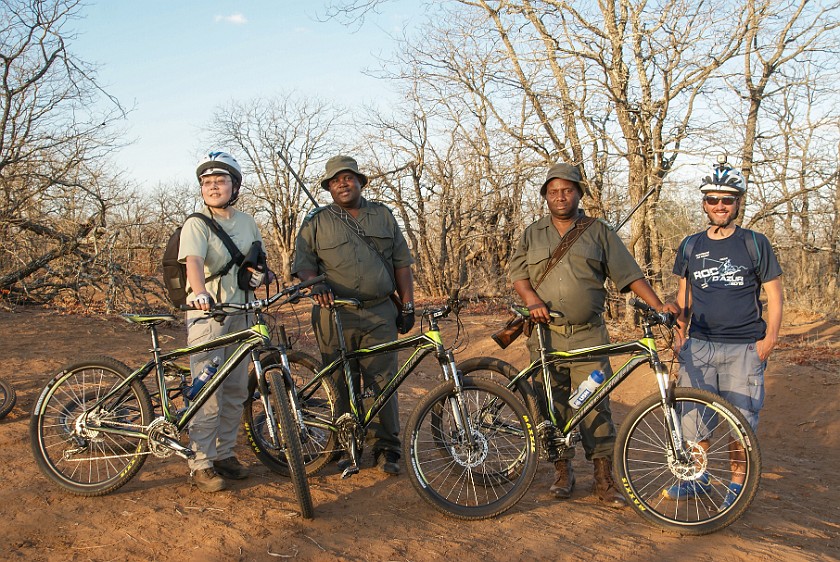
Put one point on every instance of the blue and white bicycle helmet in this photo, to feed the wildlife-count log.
(724, 178)
(221, 163)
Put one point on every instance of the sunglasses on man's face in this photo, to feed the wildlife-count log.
(726, 199)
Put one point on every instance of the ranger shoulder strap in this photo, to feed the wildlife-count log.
(567, 241)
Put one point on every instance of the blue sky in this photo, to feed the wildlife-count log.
(175, 61)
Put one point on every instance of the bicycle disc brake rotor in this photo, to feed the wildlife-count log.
(159, 429)
(468, 455)
(693, 469)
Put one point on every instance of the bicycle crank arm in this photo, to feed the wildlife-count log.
(177, 448)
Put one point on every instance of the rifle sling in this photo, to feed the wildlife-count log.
(353, 226)
(566, 242)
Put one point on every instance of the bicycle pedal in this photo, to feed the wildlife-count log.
(350, 471)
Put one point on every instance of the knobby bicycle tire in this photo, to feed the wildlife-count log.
(471, 481)
(8, 398)
(319, 444)
(90, 462)
(290, 437)
(687, 498)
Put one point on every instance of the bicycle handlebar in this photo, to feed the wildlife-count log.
(452, 304)
(292, 293)
(651, 315)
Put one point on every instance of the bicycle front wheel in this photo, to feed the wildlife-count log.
(75, 441)
(690, 496)
(471, 467)
(289, 439)
(317, 405)
(7, 398)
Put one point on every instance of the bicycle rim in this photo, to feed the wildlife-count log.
(687, 497)
(472, 478)
(288, 432)
(86, 460)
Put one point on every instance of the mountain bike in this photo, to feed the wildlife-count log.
(94, 424)
(464, 460)
(660, 444)
(8, 398)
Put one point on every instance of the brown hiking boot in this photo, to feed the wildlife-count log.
(604, 487)
(231, 468)
(564, 479)
(206, 480)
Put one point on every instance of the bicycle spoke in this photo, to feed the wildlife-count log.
(476, 475)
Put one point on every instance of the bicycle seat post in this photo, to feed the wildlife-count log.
(156, 348)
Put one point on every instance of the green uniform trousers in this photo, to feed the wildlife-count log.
(364, 328)
(597, 429)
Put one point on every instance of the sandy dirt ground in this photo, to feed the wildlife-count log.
(373, 516)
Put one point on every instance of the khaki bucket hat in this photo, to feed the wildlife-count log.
(563, 171)
(338, 164)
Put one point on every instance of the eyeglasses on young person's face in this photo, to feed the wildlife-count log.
(215, 181)
(714, 200)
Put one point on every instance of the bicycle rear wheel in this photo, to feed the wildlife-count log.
(290, 439)
(82, 457)
(476, 475)
(687, 497)
(317, 405)
(7, 398)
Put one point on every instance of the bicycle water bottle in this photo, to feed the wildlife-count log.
(205, 375)
(586, 389)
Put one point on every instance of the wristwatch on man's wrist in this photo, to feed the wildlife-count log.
(408, 308)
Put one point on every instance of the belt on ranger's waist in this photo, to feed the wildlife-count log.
(570, 329)
(374, 302)
(368, 303)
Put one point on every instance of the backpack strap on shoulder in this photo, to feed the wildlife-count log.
(754, 251)
(687, 250)
(236, 257)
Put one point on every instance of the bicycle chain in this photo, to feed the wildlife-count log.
(143, 428)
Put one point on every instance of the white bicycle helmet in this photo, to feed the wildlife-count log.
(221, 163)
(724, 178)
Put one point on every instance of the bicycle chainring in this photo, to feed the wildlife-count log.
(350, 431)
(158, 430)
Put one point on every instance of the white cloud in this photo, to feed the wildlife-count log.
(236, 19)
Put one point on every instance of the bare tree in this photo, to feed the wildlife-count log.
(303, 130)
(52, 152)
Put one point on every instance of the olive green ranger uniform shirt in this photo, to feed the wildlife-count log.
(575, 285)
(325, 245)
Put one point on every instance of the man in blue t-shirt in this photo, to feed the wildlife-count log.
(721, 272)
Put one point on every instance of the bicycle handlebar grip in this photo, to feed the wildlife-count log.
(667, 318)
(641, 305)
(310, 282)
